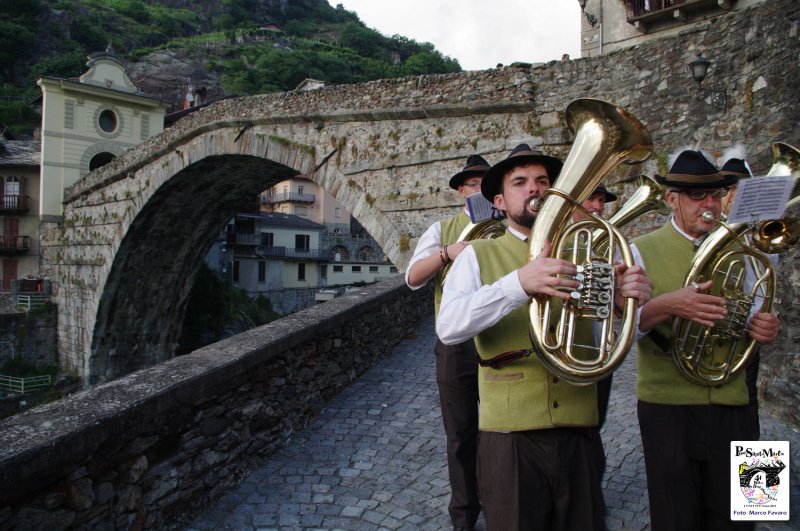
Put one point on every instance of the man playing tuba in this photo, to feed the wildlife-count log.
(540, 457)
(687, 427)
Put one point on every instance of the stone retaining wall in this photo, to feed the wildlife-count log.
(151, 449)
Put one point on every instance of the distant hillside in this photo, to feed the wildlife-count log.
(228, 47)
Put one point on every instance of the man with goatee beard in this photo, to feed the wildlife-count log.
(540, 457)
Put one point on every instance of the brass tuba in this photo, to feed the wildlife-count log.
(605, 136)
(725, 257)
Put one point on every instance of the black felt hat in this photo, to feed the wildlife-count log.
(520, 155)
(737, 167)
(610, 197)
(476, 166)
(692, 170)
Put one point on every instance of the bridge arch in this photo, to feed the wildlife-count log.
(135, 232)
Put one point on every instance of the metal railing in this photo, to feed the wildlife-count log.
(32, 301)
(291, 196)
(15, 244)
(637, 8)
(14, 384)
(17, 203)
(276, 251)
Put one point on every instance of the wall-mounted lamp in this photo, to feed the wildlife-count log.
(589, 17)
(699, 68)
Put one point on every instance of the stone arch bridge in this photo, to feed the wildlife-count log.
(135, 232)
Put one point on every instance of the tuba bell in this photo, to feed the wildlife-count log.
(733, 256)
(605, 136)
(778, 235)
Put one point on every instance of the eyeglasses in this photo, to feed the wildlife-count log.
(472, 184)
(699, 195)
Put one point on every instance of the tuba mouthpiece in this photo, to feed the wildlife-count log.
(708, 216)
(536, 203)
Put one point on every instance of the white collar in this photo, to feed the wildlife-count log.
(695, 241)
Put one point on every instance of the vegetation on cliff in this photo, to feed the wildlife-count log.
(252, 46)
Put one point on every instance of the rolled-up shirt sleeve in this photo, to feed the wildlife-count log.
(468, 307)
(428, 244)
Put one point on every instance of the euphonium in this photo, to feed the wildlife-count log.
(724, 258)
(605, 136)
(733, 257)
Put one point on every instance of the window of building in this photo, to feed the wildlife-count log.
(366, 254)
(301, 271)
(262, 271)
(302, 242)
(373, 269)
(236, 270)
(100, 160)
(356, 269)
(107, 121)
(337, 212)
(338, 269)
(323, 271)
(300, 211)
(12, 185)
(392, 269)
(340, 253)
(300, 190)
(268, 239)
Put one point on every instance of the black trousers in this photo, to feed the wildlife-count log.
(542, 480)
(687, 459)
(457, 379)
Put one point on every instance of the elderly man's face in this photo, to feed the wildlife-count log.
(595, 204)
(688, 208)
(520, 185)
(470, 186)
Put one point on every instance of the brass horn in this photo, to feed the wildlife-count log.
(724, 257)
(605, 136)
(648, 197)
(488, 229)
(778, 235)
(711, 356)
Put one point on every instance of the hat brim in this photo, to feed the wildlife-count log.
(490, 186)
(610, 197)
(459, 178)
(705, 182)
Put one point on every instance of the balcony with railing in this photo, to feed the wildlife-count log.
(642, 13)
(13, 204)
(288, 197)
(243, 238)
(294, 253)
(14, 244)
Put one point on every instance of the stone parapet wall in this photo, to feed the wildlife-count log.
(149, 450)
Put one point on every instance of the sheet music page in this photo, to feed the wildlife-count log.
(761, 198)
(479, 207)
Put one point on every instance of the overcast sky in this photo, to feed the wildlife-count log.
(479, 33)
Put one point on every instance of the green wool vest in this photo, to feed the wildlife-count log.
(667, 255)
(451, 230)
(522, 395)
